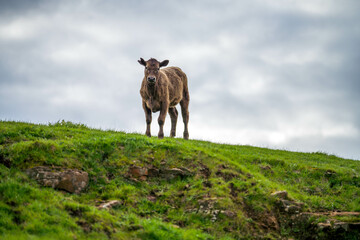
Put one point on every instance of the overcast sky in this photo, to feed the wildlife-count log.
(283, 74)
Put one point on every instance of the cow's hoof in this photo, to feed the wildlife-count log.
(186, 135)
(161, 136)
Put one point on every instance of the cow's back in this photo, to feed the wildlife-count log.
(173, 73)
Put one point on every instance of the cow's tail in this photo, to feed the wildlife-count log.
(186, 89)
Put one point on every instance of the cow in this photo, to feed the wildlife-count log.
(161, 90)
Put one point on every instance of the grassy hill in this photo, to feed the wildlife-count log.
(227, 193)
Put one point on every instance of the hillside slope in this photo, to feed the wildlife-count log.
(171, 188)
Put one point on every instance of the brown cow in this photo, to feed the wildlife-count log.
(161, 90)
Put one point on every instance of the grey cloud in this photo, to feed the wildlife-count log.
(10, 7)
(277, 74)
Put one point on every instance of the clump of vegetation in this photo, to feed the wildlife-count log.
(226, 196)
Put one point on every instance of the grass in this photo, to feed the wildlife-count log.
(226, 178)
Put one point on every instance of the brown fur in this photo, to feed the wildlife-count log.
(161, 90)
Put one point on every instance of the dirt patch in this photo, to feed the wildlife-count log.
(84, 225)
(17, 217)
(144, 173)
(266, 220)
(74, 212)
(233, 190)
(207, 184)
(4, 160)
(227, 175)
(204, 171)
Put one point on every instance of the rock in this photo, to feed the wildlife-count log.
(280, 194)
(332, 228)
(70, 180)
(110, 204)
(207, 206)
(207, 203)
(330, 173)
(337, 227)
(344, 213)
(290, 207)
(324, 226)
(272, 222)
(229, 213)
(342, 225)
(138, 172)
(172, 173)
(151, 198)
(153, 172)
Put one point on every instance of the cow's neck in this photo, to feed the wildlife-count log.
(151, 89)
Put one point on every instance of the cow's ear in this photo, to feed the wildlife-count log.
(164, 63)
(142, 62)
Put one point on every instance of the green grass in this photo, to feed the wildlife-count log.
(239, 179)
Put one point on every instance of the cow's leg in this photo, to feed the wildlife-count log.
(161, 119)
(173, 115)
(148, 118)
(185, 115)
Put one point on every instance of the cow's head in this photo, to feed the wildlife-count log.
(152, 68)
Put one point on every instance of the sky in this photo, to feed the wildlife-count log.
(282, 74)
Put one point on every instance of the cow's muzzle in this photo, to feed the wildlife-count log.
(151, 79)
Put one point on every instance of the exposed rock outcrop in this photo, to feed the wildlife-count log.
(110, 204)
(209, 207)
(285, 204)
(333, 224)
(70, 180)
(290, 215)
(280, 194)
